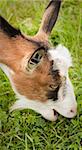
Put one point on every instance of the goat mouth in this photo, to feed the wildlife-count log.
(55, 112)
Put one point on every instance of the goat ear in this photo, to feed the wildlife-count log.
(7, 28)
(50, 16)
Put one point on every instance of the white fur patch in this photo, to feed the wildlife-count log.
(9, 72)
(66, 105)
(62, 59)
(42, 108)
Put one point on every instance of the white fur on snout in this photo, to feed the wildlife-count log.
(68, 106)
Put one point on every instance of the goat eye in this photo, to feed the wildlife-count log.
(35, 59)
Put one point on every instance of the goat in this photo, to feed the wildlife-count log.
(38, 72)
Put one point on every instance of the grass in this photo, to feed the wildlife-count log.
(27, 130)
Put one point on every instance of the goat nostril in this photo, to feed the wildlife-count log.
(72, 111)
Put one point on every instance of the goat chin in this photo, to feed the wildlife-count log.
(65, 105)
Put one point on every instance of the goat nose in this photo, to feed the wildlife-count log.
(73, 111)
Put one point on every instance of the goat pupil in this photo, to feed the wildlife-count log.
(36, 56)
(35, 60)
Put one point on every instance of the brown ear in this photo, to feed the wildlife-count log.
(50, 16)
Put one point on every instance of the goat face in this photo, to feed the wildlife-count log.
(34, 74)
(37, 77)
